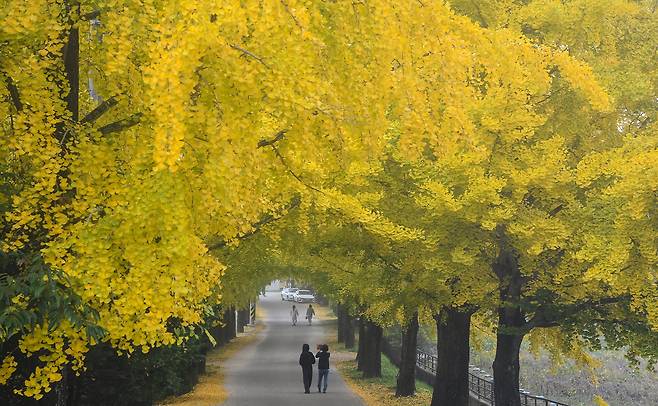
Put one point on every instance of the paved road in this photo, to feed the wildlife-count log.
(267, 372)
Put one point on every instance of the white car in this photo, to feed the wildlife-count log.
(284, 293)
(303, 296)
(287, 293)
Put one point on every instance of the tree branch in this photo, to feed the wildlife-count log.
(285, 5)
(121, 124)
(277, 137)
(543, 317)
(248, 53)
(294, 175)
(91, 15)
(96, 113)
(257, 226)
(333, 264)
(556, 210)
(13, 93)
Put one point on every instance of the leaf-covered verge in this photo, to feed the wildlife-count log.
(210, 391)
(373, 391)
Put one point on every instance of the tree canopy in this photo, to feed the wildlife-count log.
(415, 154)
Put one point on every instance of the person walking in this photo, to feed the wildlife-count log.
(306, 360)
(309, 314)
(323, 367)
(294, 313)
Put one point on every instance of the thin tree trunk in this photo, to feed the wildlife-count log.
(372, 360)
(72, 68)
(241, 321)
(453, 332)
(71, 56)
(231, 323)
(406, 382)
(362, 344)
(340, 315)
(227, 325)
(62, 388)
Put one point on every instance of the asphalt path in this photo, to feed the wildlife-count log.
(267, 372)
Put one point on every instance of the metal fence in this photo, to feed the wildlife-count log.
(481, 384)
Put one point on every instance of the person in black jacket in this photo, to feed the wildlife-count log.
(306, 360)
(323, 366)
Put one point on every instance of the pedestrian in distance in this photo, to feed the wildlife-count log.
(306, 360)
(323, 366)
(294, 313)
(309, 314)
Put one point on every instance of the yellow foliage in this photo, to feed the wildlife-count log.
(599, 401)
(219, 112)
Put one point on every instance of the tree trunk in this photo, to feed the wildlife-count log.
(241, 320)
(406, 383)
(72, 67)
(362, 344)
(75, 391)
(506, 369)
(372, 360)
(349, 331)
(511, 324)
(231, 323)
(62, 388)
(71, 56)
(340, 315)
(228, 325)
(453, 332)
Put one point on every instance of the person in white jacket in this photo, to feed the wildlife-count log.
(294, 314)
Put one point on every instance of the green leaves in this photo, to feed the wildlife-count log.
(35, 294)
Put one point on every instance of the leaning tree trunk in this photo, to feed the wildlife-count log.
(453, 332)
(511, 324)
(349, 331)
(372, 355)
(406, 383)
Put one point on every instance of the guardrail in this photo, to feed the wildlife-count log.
(481, 384)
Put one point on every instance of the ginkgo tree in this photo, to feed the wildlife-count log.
(134, 138)
(143, 142)
(489, 155)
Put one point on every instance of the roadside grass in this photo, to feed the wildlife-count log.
(617, 382)
(381, 391)
(373, 391)
(210, 390)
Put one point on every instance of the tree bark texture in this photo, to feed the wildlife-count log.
(511, 324)
(453, 332)
(71, 59)
(372, 351)
(243, 317)
(228, 328)
(232, 323)
(362, 343)
(340, 316)
(349, 331)
(406, 382)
